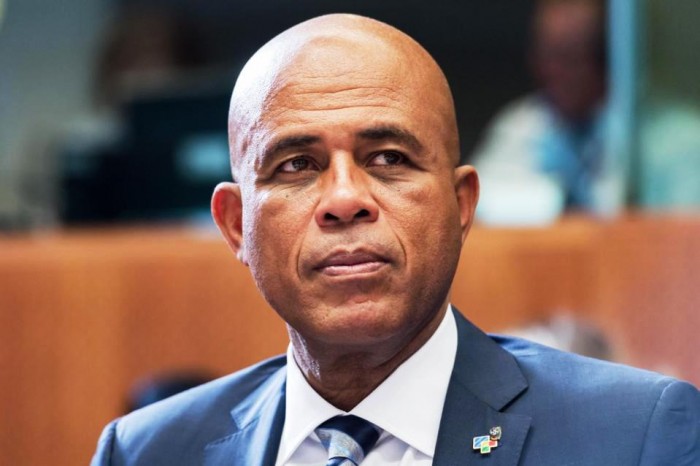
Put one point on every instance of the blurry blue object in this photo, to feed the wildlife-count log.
(159, 388)
(203, 157)
(670, 156)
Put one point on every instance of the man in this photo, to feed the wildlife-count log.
(350, 210)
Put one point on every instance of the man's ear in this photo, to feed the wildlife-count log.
(467, 190)
(227, 210)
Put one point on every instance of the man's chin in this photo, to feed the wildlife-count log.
(354, 322)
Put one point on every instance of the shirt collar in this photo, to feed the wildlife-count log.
(423, 376)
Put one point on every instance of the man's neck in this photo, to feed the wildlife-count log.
(345, 376)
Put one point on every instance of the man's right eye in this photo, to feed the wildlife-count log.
(296, 165)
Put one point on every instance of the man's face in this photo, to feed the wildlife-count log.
(566, 58)
(351, 223)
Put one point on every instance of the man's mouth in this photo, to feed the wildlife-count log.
(351, 263)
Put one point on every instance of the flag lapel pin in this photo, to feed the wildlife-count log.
(485, 443)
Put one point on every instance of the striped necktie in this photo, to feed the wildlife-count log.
(347, 439)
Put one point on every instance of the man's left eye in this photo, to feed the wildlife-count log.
(387, 158)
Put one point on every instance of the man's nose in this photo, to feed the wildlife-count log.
(346, 197)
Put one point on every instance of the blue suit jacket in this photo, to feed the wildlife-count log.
(554, 409)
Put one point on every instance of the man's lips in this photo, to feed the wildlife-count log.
(351, 263)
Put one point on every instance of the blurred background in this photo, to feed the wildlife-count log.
(582, 117)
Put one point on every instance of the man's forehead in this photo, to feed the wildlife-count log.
(359, 63)
(348, 60)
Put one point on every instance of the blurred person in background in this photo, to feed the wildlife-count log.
(145, 48)
(548, 152)
(142, 49)
(546, 148)
(145, 51)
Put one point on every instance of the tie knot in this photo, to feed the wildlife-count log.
(347, 438)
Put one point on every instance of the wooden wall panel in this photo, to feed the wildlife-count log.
(649, 294)
(510, 277)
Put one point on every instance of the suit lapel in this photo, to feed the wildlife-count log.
(259, 420)
(485, 379)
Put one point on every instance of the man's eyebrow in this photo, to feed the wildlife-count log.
(289, 142)
(391, 132)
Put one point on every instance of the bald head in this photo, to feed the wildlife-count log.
(343, 60)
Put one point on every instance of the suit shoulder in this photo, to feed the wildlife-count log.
(635, 415)
(183, 424)
(225, 391)
(542, 364)
(674, 428)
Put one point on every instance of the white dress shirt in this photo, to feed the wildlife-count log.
(407, 406)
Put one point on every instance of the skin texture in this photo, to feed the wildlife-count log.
(567, 56)
(348, 208)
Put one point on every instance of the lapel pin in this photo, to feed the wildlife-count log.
(486, 443)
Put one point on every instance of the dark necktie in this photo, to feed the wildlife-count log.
(347, 439)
